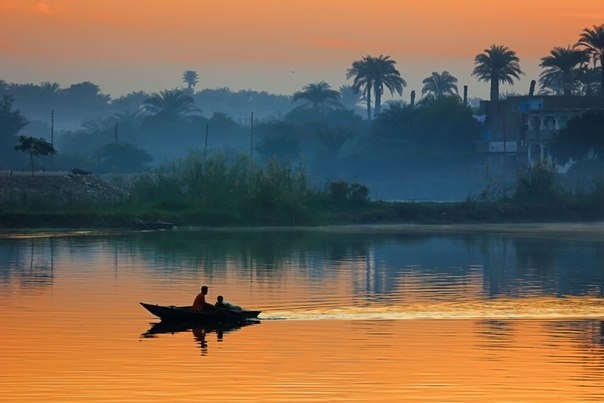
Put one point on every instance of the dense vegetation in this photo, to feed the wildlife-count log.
(222, 191)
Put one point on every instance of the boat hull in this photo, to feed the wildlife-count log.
(186, 314)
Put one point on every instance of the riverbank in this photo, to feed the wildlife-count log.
(65, 200)
(369, 213)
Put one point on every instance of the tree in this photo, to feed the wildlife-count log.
(373, 74)
(123, 157)
(590, 80)
(560, 69)
(169, 104)
(320, 95)
(11, 122)
(85, 95)
(581, 139)
(282, 147)
(34, 147)
(362, 82)
(385, 75)
(349, 97)
(442, 130)
(130, 103)
(497, 64)
(190, 78)
(592, 40)
(439, 85)
(49, 91)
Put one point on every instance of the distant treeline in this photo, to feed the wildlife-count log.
(332, 141)
(422, 150)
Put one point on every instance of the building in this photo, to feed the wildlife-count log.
(518, 129)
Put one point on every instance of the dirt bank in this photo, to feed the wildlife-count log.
(56, 189)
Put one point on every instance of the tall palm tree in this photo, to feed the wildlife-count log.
(373, 74)
(320, 95)
(439, 85)
(190, 78)
(561, 68)
(592, 40)
(169, 104)
(362, 82)
(385, 75)
(497, 64)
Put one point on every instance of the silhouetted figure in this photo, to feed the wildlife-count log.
(200, 300)
(220, 303)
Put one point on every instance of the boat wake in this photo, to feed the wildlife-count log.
(524, 308)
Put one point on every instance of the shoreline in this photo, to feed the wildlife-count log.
(69, 201)
(371, 214)
(591, 229)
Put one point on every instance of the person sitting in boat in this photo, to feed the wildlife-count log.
(200, 300)
(221, 303)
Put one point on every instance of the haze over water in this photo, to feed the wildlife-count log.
(405, 313)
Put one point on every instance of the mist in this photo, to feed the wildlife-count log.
(333, 142)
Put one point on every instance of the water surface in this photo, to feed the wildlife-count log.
(405, 313)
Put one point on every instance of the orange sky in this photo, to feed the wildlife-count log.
(274, 45)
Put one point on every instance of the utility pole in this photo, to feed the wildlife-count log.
(252, 138)
(465, 95)
(52, 136)
(205, 149)
(52, 127)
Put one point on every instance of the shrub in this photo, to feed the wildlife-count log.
(537, 184)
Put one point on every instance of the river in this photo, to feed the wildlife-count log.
(363, 313)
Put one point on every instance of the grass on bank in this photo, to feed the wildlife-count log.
(235, 192)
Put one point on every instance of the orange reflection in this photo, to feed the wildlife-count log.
(100, 357)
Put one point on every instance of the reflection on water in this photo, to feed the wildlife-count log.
(506, 263)
(500, 313)
(199, 331)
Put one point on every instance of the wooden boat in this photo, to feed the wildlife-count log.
(186, 314)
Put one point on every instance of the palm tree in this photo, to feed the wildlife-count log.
(373, 74)
(350, 98)
(497, 64)
(190, 78)
(362, 82)
(320, 95)
(590, 80)
(561, 69)
(439, 85)
(592, 40)
(385, 74)
(169, 104)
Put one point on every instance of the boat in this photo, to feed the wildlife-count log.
(187, 314)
